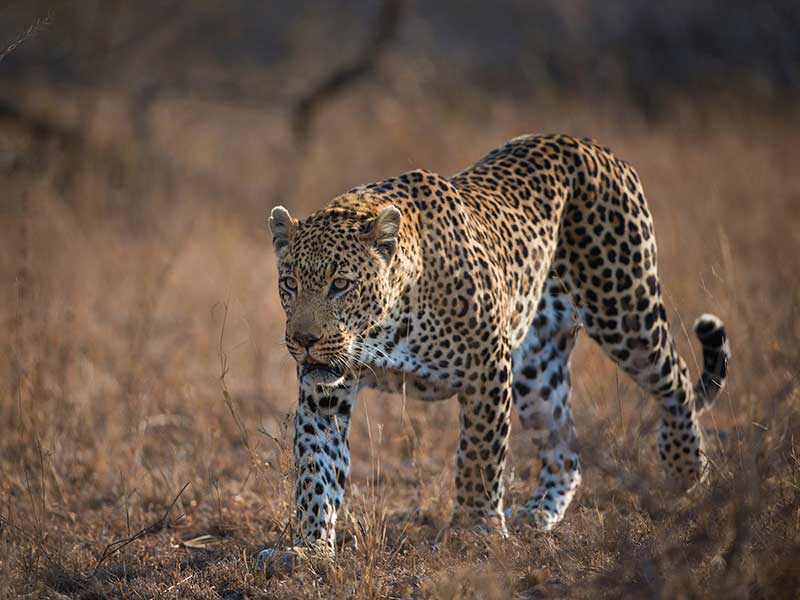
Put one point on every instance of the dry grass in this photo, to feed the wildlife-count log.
(118, 282)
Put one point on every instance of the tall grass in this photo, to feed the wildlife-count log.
(119, 387)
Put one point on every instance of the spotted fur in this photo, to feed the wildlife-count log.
(477, 285)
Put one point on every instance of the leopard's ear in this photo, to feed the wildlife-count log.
(283, 225)
(383, 231)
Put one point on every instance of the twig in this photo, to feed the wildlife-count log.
(118, 545)
(223, 365)
(175, 585)
(32, 537)
(31, 32)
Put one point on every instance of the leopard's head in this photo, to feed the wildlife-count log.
(333, 279)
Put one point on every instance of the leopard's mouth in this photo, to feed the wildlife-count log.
(321, 373)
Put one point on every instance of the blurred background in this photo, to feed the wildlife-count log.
(141, 147)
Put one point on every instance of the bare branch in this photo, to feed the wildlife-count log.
(385, 29)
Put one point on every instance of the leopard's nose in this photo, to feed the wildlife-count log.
(306, 340)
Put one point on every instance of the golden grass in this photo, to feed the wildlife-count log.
(118, 281)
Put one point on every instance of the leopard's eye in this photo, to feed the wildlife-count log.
(290, 283)
(340, 285)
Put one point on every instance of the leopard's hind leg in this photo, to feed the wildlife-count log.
(541, 392)
(641, 343)
(608, 252)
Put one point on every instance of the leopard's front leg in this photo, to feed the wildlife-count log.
(322, 464)
(482, 448)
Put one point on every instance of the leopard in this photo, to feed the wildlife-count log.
(477, 286)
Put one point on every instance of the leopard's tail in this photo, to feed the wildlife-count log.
(716, 352)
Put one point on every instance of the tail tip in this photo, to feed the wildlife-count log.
(707, 324)
(710, 331)
(716, 352)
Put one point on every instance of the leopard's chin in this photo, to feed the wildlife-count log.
(321, 374)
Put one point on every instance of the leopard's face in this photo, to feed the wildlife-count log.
(333, 280)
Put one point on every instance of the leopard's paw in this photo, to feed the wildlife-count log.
(537, 517)
(273, 562)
